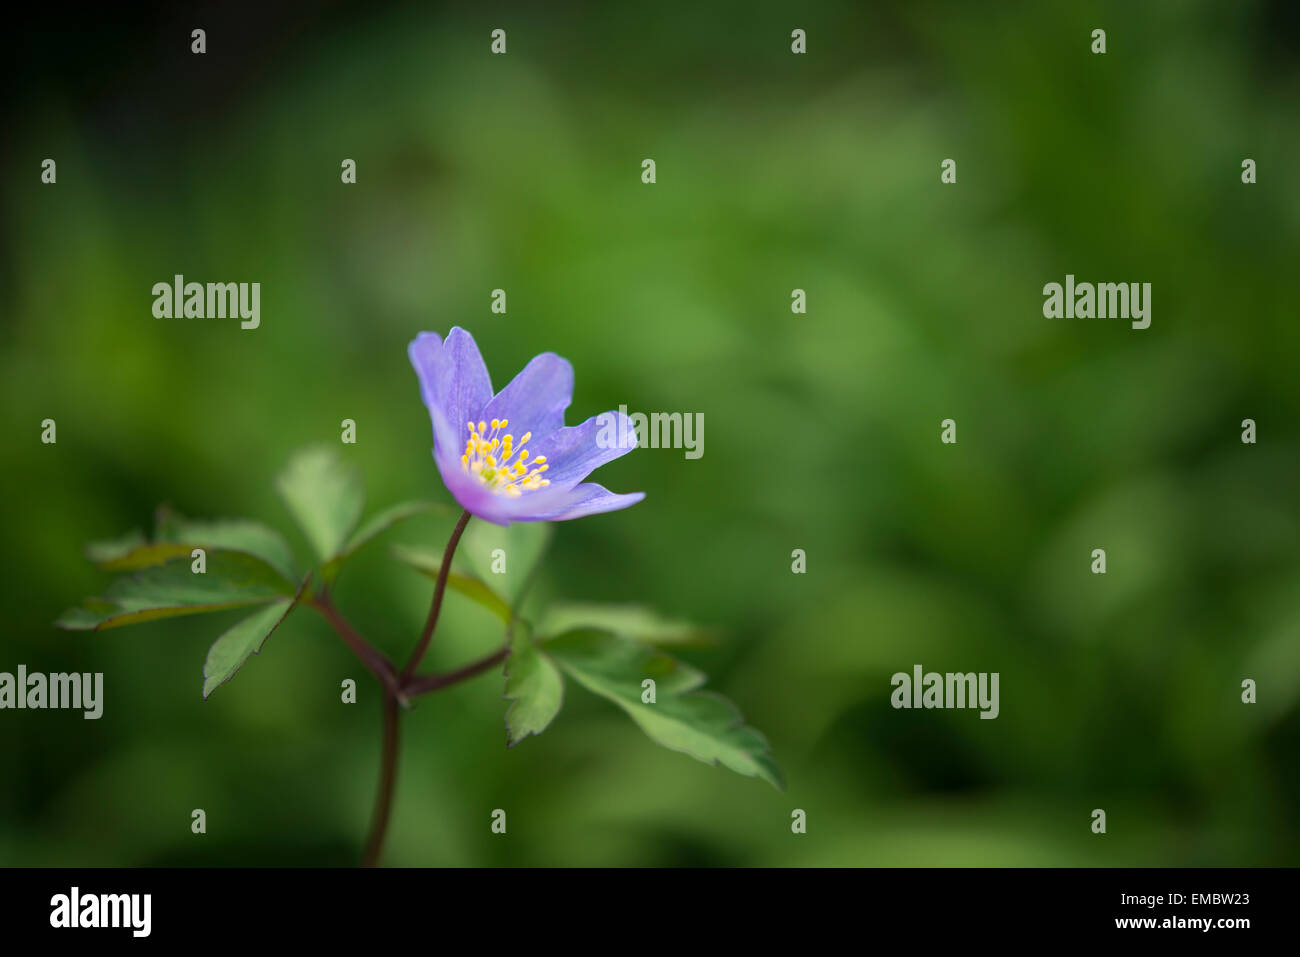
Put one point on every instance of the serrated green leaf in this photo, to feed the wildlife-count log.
(235, 535)
(379, 523)
(701, 724)
(86, 616)
(631, 621)
(428, 562)
(237, 643)
(620, 663)
(141, 556)
(485, 549)
(534, 688)
(325, 496)
(177, 537)
(232, 580)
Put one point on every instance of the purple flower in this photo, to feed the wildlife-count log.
(509, 457)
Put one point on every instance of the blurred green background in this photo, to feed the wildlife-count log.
(775, 172)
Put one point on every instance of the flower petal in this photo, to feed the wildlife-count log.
(574, 452)
(542, 505)
(590, 499)
(454, 382)
(536, 398)
(456, 388)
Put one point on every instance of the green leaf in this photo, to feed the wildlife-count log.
(86, 616)
(704, 725)
(379, 523)
(246, 638)
(618, 662)
(228, 534)
(534, 688)
(325, 496)
(177, 537)
(116, 548)
(232, 580)
(631, 621)
(428, 562)
(141, 556)
(475, 590)
(485, 549)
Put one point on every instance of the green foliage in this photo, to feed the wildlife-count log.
(821, 172)
(605, 648)
(325, 497)
(114, 549)
(631, 621)
(246, 638)
(376, 525)
(135, 557)
(706, 726)
(235, 534)
(245, 563)
(520, 546)
(534, 688)
(232, 580)
(428, 562)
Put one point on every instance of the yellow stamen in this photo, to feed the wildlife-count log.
(498, 462)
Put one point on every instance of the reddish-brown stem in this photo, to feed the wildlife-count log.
(388, 764)
(371, 657)
(399, 688)
(423, 684)
(439, 587)
(387, 781)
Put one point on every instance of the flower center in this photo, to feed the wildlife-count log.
(488, 457)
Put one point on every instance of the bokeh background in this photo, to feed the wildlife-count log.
(775, 171)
